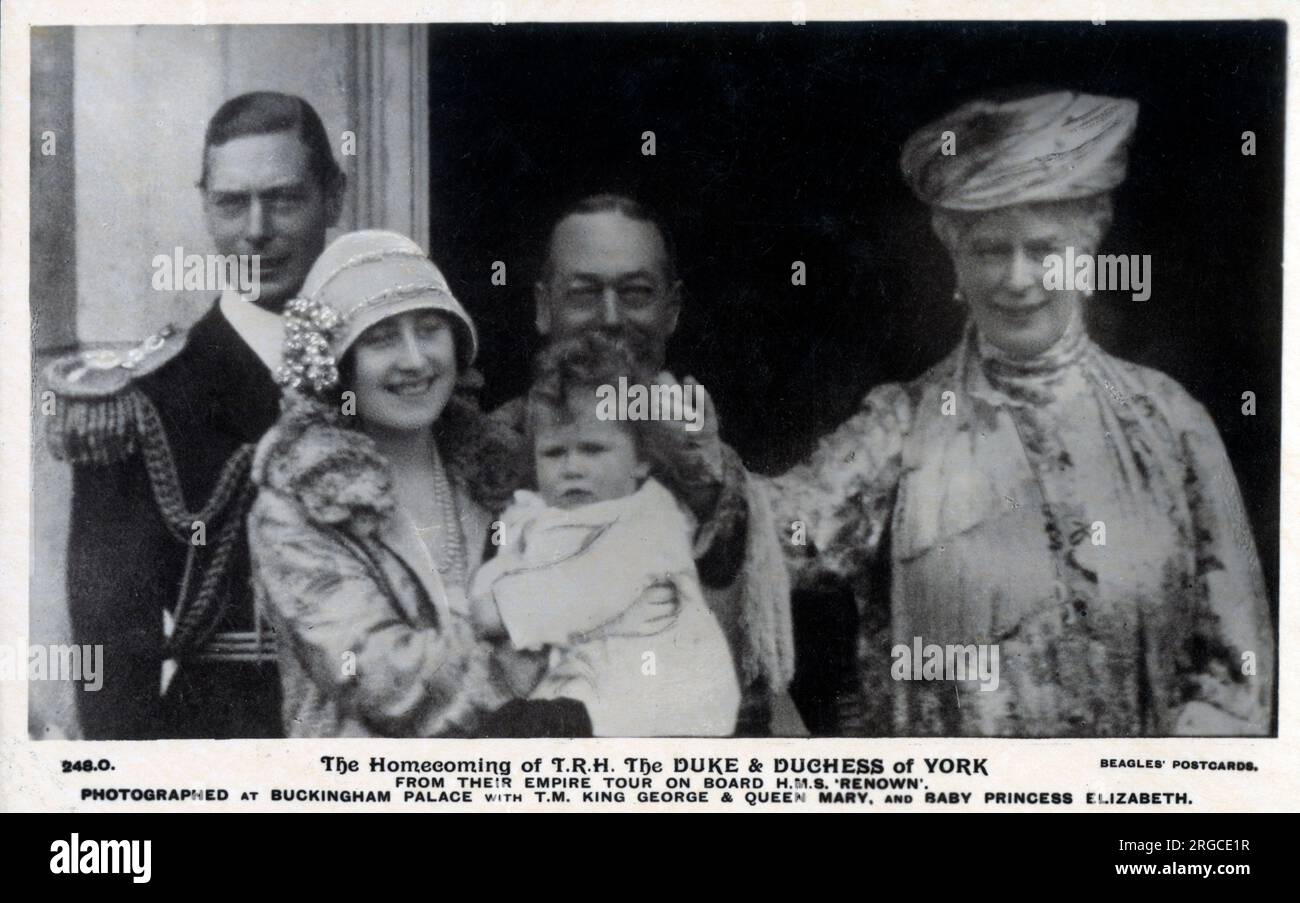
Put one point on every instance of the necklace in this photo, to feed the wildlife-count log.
(452, 560)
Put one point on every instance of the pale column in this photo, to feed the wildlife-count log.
(392, 164)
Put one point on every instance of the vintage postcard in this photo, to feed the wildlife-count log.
(775, 406)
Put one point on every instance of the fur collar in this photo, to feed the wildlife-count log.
(336, 473)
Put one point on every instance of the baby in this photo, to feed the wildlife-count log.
(575, 557)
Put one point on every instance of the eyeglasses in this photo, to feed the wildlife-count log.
(632, 292)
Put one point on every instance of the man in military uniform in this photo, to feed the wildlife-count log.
(159, 442)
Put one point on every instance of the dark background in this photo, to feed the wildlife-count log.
(778, 143)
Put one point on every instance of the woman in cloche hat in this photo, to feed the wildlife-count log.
(374, 492)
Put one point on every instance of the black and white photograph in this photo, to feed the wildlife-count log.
(741, 380)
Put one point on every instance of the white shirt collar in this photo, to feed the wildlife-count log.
(261, 330)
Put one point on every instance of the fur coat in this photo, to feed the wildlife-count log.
(371, 641)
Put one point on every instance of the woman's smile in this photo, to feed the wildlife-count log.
(411, 388)
(1020, 313)
(405, 369)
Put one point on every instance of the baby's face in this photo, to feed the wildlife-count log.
(582, 459)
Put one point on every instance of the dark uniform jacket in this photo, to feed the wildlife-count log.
(125, 567)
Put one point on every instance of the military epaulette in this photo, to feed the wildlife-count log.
(98, 406)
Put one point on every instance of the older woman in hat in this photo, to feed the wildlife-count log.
(373, 509)
(1032, 496)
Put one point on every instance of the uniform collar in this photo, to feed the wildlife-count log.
(232, 383)
(261, 330)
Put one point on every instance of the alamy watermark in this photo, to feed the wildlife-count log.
(179, 271)
(44, 662)
(922, 661)
(1104, 273)
(75, 856)
(653, 402)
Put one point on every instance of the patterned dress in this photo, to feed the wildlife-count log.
(1077, 512)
